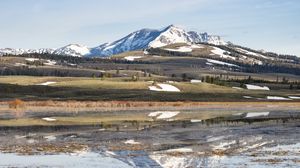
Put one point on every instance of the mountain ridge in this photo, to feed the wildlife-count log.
(137, 40)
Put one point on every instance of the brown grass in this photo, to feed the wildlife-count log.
(134, 104)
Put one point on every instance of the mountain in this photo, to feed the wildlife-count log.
(141, 39)
(75, 50)
(20, 51)
(146, 38)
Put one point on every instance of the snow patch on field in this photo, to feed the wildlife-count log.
(46, 83)
(20, 64)
(50, 62)
(255, 87)
(32, 59)
(163, 114)
(132, 58)
(171, 82)
(257, 114)
(220, 62)
(195, 121)
(277, 98)
(196, 81)
(164, 88)
(132, 142)
(50, 138)
(49, 119)
(181, 150)
(294, 97)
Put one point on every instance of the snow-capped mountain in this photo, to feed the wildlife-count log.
(20, 51)
(134, 41)
(146, 38)
(141, 39)
(75, 50)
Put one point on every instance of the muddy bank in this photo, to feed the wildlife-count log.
(169, 144)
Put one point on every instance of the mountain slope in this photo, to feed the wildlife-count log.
(134, 41)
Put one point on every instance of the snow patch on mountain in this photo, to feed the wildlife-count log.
(222, 53)
(185, 48)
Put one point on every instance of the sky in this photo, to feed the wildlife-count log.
(272, 25)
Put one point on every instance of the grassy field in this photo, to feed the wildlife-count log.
(123, 88)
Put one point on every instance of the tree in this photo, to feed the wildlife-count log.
(285, 80)
(249, 78)
(134, 78)
(291, 87)
(184, 77)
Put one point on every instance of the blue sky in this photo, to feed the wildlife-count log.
(272, 25)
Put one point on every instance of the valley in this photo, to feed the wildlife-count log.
(165, 98)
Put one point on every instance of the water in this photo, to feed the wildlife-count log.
(88, 159)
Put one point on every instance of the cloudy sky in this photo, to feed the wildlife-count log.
(272, 25)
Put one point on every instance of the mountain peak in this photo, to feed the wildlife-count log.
(76, 50)
(173, 27)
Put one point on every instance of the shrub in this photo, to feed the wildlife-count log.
(17, 103)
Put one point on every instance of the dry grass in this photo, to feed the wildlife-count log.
(103, 84)
(130, 53)
(146, 104)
